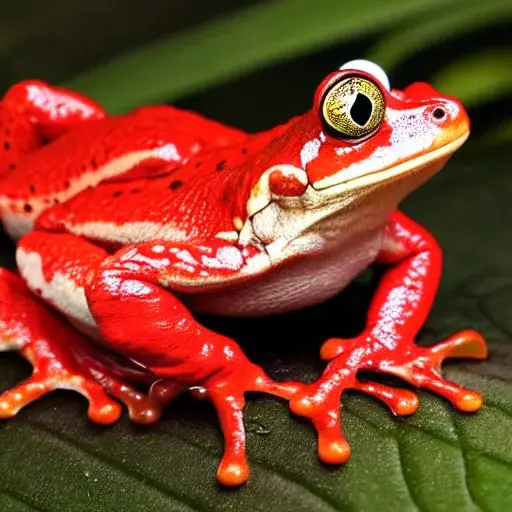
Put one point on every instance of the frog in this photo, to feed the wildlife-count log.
(128, 227)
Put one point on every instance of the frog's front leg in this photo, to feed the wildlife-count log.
(398, 311)
(132, 297)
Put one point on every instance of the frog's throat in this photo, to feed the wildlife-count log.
(362, 204)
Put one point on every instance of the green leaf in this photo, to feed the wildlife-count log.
(246, 40)
(444, 24)
(53, 459)
(478, 77)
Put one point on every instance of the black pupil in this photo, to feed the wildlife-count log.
(361, 110)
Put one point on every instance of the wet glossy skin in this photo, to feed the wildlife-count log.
(143, 219)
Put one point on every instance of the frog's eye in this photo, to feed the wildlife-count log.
(353, 107)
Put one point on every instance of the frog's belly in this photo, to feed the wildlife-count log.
(297, 284)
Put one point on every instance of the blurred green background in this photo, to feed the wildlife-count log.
(216, 57)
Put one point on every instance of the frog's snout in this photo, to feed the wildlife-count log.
(445, 112)
(451, 115)
(451, 118)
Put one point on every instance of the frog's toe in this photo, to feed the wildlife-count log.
(422, 368)
(402, 402)
(226, 391)
(13, 400)
(320, 403)
(102, 409)
(61, 359)
(142, 409)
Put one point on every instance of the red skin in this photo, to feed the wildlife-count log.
(129, 289)
(45, 340)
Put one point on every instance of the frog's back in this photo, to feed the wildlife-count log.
(199, 199)
(147, 142)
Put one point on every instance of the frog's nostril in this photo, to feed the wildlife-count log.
(439, 113)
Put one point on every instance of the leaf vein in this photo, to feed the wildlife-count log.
(142, 479)
(273, 469)
(16, 496)
(165, 490)
(474, 498)
(485, 376)
(457, 445)
(407, 483)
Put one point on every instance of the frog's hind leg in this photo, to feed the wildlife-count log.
(33, 112)
(61, 358)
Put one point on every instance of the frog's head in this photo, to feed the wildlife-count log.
(375, 133)
(362, 143)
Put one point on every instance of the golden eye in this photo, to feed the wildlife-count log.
(354, 107)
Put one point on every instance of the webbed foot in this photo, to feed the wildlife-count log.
(420, 366)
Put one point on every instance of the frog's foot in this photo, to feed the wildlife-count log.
(420, 366)
(226, 391)
(61, 359)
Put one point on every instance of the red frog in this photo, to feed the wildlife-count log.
(129, 225)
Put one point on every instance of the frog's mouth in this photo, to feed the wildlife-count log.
(275, 222)
(361, 179)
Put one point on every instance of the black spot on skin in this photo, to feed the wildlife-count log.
(199, 164)
(221, 165)
(27, 207)
(226, 196)
(244, 151)
(12, 167)
(7, 145)
(135, 190)
(117, 193)
(55, 201)
(94, 164)
(176, 184)
(67, 185)
(38, 291)
(32, 189)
